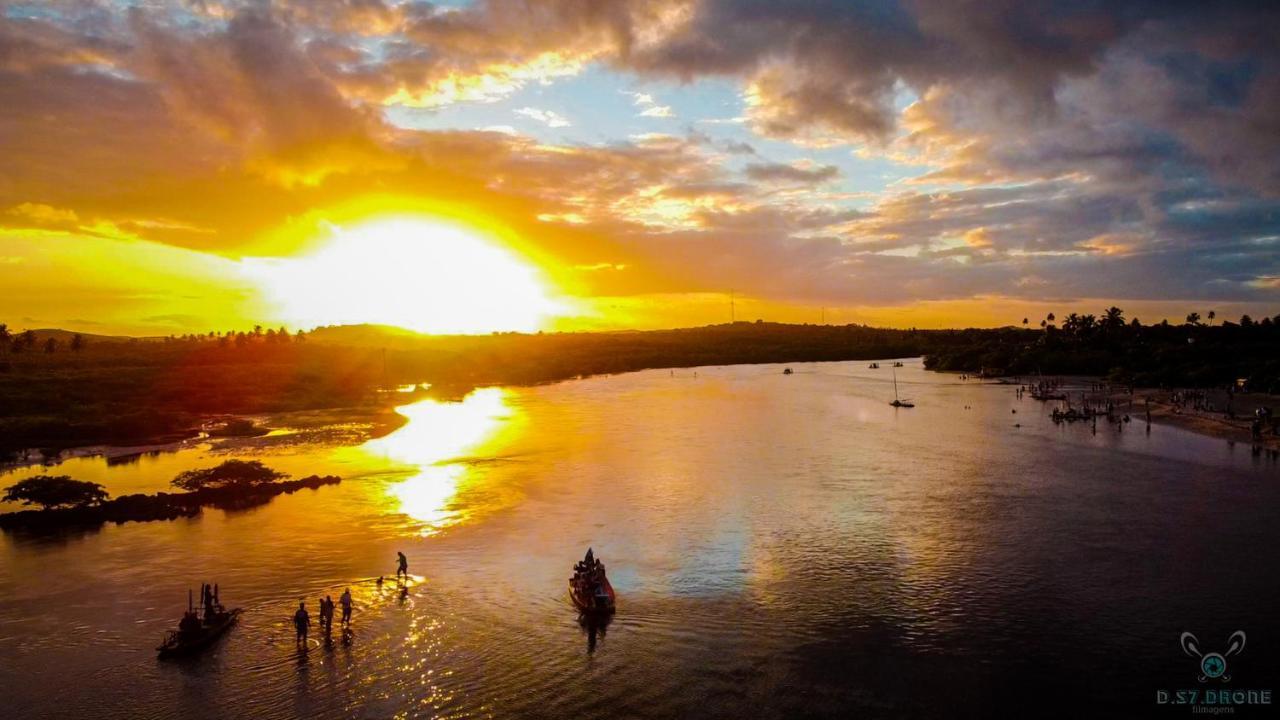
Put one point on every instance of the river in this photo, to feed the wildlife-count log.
(782, 546)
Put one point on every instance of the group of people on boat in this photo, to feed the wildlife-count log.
(194, 620)
(589, 587)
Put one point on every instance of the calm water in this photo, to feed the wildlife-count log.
(783, 546)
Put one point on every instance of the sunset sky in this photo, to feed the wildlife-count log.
(583, 164)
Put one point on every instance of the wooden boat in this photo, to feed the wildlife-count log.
(589, 588)
(179, 644)
(603, 600)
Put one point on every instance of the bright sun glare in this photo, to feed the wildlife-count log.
(418, 273)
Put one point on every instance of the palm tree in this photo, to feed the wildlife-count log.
(1113, 318)
(50, 345)
(77, 342)
(1024, 322)
(1212, 315)
(1193, 318)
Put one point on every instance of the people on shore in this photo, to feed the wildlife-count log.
(302, 624)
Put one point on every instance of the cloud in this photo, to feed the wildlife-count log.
(650, 107)
(657, 111)
(799, 173)
(546, 117)
(1056, 149)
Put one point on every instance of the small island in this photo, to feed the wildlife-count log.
(66, 502)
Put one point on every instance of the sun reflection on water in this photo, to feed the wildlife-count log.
(440, 440)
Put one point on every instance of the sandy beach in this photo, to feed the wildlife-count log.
(1211, 419)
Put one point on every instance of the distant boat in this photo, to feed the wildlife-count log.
(898, 402)
(897, 364)
(787, 371)
(874, 366)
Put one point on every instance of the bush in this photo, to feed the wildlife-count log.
(232, 473)
(55, 491)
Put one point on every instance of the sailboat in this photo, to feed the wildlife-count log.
(897, 402)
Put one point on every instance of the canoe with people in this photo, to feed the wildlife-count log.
(589, 588)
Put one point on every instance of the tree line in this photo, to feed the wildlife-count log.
(1199, 352)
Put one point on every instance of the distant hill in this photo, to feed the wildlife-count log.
(64, 336)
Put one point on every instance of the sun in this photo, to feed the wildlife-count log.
(428, 274)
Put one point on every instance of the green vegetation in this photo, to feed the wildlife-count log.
(52, 491)
(230, 474)
(1162, 355)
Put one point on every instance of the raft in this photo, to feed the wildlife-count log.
(175, 645)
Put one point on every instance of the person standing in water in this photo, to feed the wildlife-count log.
(326, 615)
(302, 623)
(403, 567)
(345, 601)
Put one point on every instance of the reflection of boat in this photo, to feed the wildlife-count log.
(595, 625)
(874, 366)
(195, 633)
(589, 588)
(897, 402)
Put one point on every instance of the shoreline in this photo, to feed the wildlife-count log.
(1209, 423)
(383, 418)
(381, 421)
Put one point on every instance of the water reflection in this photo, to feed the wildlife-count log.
(783, 547)
(436, 441)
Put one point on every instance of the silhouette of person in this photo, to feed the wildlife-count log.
(302, 623)
(403, 566)
(326, 615)
(345, 600)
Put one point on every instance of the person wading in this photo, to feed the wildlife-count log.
(302, 623)
(345, 601)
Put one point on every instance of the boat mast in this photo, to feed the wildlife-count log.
(895, 384)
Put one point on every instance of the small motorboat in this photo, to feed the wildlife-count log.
(786, 371)
(589, 588)
(199, 628)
